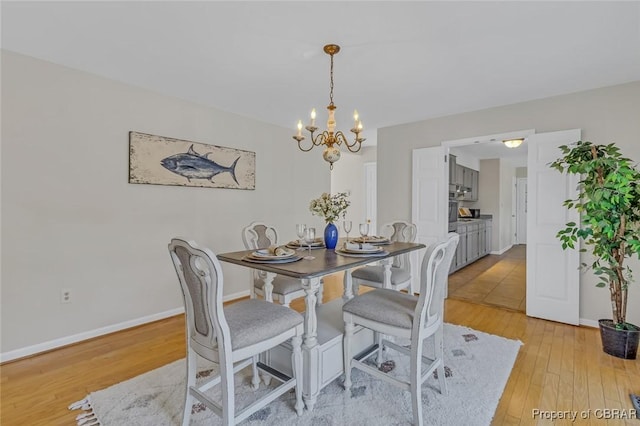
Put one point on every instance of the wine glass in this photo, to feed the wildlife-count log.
(364, 231)
(347, 227)
(309, 237)
(300, 231)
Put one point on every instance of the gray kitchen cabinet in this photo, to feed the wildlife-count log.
(473, 251)
(452, 169)
(475, 175)
(475, 242)
(460, 175)
(461, 251)
(482, 235)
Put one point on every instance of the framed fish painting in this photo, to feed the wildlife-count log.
(159, 160)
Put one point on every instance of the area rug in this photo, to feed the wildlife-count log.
(477, 367)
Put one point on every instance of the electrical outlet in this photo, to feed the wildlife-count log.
(65, 295)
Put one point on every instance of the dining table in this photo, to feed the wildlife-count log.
(323, 324)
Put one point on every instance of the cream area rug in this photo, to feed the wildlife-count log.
(477, 367)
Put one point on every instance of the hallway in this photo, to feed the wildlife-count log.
(493, 280)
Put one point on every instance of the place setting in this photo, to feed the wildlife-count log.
(307, 240)
(362, 246)
(273, 254)
(365, 238)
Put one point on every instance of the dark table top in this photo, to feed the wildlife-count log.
(325, 262)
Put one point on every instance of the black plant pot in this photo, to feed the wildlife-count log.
(619, 343)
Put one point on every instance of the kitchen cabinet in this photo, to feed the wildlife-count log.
(466, 179)
(452, 169)
(460, 175)
(475, 242)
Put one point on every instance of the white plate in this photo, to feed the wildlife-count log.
(266, 255)
(368, 250)
(316, 244)
(349, 254)
(285, 260)
(372, 240)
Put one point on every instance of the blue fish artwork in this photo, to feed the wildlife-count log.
(192, 165)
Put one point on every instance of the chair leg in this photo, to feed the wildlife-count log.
(438, 339)
(416, 383)
(296, 363)
(255, 380)
(346, 351)
(191, 381)
(320, 294)
(377, 339)
(227, 387)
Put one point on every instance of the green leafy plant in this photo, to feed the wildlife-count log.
(330, 207)
(609, 205)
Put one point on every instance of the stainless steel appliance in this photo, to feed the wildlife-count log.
(453, 215)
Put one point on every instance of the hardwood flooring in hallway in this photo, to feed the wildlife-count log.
(495, 280)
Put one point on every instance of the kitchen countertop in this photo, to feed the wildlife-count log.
(482, 218)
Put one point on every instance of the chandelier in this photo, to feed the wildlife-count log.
(330, 138)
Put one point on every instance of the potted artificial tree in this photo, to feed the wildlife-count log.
(609, 206)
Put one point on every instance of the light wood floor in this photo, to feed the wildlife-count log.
(494, 280)
(560, 367)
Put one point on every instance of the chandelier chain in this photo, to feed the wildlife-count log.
(331, 84)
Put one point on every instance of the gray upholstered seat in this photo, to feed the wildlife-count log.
(232, 337)
(282, 285)
(389, 312)
(384, 306)
(252, 321)
(373, 276)
(285, 289)
(376, 274)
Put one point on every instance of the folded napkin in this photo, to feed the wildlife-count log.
(279, 251)
(359, 246)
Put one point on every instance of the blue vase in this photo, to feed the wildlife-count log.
(330, 236)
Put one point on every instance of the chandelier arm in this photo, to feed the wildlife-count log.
(349, 147)
(341, 138)
(305, 150)
(320, 139)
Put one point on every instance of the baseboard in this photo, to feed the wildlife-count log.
(589, 323)
(68, 340)
(499, 252)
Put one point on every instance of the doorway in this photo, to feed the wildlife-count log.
(499, 277)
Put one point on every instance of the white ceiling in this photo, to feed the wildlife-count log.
(400, 61)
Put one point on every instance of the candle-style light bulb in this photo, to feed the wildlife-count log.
(313, 117)
(359, 127)
(299, 127)
(355, 118)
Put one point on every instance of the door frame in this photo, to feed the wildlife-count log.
(519, 181)
(367, 183)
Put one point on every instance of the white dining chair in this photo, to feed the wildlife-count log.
(373, 275)
(231, 336)
(398, 314)
(259, 235)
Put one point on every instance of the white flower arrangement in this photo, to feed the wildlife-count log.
(330, 207)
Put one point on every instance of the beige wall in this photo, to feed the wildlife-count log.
(489, 196)
(521, 172)
(71, 220)
(348, 175)
(605, 115)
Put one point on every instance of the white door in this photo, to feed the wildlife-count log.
(521, 211)
(552, 273)
(370, 197)
(428, 202)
